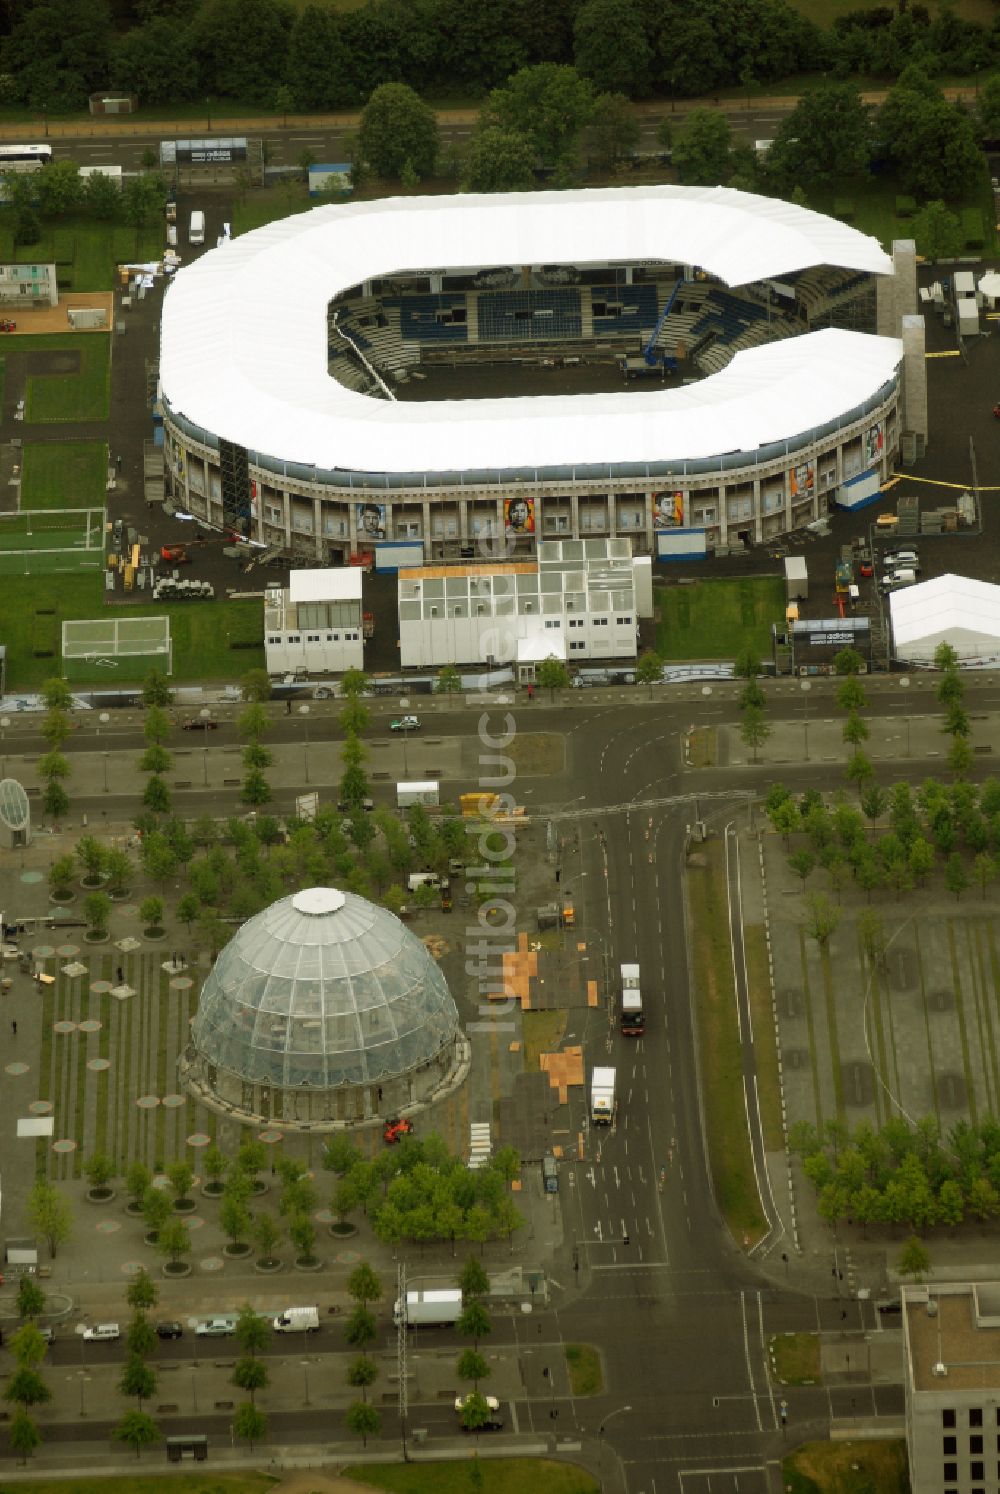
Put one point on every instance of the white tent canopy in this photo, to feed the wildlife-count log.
(244, 331)
(989, 284)
(947, 609)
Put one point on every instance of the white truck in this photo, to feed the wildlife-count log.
(426, 793)
(196, 228)
(633, 1020)
(297, 1320)
(429, 1309)
(602, 1097)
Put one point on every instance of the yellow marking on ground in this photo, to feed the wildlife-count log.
(937, 482)
(592, 998)
(951, 353)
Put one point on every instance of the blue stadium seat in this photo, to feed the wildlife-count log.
(638, 304)
(429, 318)
(530, 316)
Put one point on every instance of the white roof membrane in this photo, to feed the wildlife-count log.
(947, 609)
(244, 331)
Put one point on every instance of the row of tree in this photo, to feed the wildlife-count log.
(902, 1174)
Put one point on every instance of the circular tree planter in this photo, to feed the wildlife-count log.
(92, 884)
(154, 933)
(268, 1268)
(185, 1205)
(237, 1252)
(150, 1237)
(119, 895)
(95, 936)
(60, 899)
(343, 1231)
(133, 1209)
(259, 1188)
(176, 1270)
(308, 1263)
(213, 1190)
(100, 1195)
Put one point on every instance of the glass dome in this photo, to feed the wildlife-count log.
(320, 990)
(14, 808)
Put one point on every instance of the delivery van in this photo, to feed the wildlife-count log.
(196, 229)
(297, 1320)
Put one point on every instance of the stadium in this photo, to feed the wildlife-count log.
(687, 367)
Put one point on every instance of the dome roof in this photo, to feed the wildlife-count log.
(323, 989)
(14, 807)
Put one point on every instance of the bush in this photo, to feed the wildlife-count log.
(245, 628)
(45, 635)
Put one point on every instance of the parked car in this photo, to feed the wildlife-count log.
(48, 1334)
(494, 1424)
(216, 1328)
(201, 723)
(902, 559)
(101, 1333)
(405, 723)
(169, 1329)
(491, 1401)
(344, 808)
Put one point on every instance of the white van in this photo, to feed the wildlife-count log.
(297, 1320)
(894, 580)
(196, 229)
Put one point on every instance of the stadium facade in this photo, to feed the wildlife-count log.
(773, 355)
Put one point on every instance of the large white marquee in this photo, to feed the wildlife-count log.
(244, 334)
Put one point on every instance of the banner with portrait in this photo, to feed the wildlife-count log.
(668, 510)
(518, 516)
(874, 441)
(370, 520)
(801, 480)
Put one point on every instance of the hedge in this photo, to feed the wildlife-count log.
(245, 629)
(44, 635)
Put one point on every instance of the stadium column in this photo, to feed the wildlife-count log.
(318, 526)
(914, 376)
(574, 505)
(429, 544)
(904, 260)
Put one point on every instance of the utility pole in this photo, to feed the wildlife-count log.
(401, 1353)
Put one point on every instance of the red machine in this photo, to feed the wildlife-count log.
(395, 1130)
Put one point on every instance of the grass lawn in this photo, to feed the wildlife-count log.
(85, 252)
(585, 1376)
(796, 1358)
(874, 199)
(765, 1038)
(500, 1476)
(150, 1483)
(846, 1468)
(270, 204)
(64, 474)
(719, 1050)
(542, 1033)
(74, 396)
(715, 619)
(198, 629)
(537, 752)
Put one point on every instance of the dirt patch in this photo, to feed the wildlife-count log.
(61, 361)
(319, 1483)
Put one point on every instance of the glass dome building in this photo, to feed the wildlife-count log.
(323, 1010)
(15, 815)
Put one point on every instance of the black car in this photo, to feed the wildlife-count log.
(494, 1424)
(169, 1330)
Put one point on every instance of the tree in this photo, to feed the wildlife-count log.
(340, 1154)
(548, 103)
(475, 1412)
(859, 770)
(472, 1366)
(26, 1387)
(61, 876)
(137, 1379)
(360, 1329)
(473, 1280)
(552, 675)
(613, 132)
(214, 1164)
(855, 730)
(256, 789)
(363, 1420)
(57, 695)
(151, 912)
(931, 143)
(363, 1285)
(188, 909)
(267, 1235)
(50, 1214)
(747, 666)
(302, 1233)
(250, 1374)
(823, 918)
(956, 878)
(91, 855)
(156, 1210)
(155, 690)
(752, 697)
(23, 1435)
(938, 231)
(174, 1240)
(984, 869)
(960, 757)
(754, 730)
(181, 1176)
(355, 682)
(913, 1259)
(55, 800)
(98, 1169)
(140, 1336)
(397, 130)
(702, 149)
(499, 160)
(611, 47)
(361, 1373)
(234, 1218)
(827, 135)
(874, 801)
(28, 1346)
(256, 685)
(649, 670)
(474, 1322)
(250, 1423)
(250, 1158)
(137, 1429)
(30, 1299)
(802, 863)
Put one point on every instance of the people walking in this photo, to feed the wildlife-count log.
(13, 1028)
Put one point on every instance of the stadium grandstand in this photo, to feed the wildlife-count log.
(688, 367)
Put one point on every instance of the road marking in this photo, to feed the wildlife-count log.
(746, 1355)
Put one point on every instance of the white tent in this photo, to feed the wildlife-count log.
(989, 286)
(948, 609)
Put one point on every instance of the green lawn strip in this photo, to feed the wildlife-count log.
(584, 1362)
(847, 1468)
(813, 1060)
(85, 1144)
(987, 1042)
(161, 1087)
(875, 1027)
(715, 619)
(765, 1038)
(836, 1067)
(148, 1483)
(874, 200)
(893, 1052)
(928, 1030)
(82, 395)
(267, 206)
(993, 983)
(962, 1029)
(795, 1358)
(64, 474)
(127, 1111)
(499, 1476)
(99, 1081)
(719, 1051)
(44, 1157)
(87, 253)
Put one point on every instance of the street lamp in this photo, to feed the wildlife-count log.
(81, 1377)
(805, 686)
(610, 1416)
(304, 713)
(904, 684)
(305, 1376)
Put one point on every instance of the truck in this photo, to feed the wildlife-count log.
(602, 1097)
(633, 1021)
(439, 1308)
(196, 228)
(428, 794)
(844, 577)
(297, 1320)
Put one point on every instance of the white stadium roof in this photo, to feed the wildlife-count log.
(947, 609)
(244, 332)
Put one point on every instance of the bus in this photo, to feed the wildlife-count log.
(633, 1018)
(24, 157)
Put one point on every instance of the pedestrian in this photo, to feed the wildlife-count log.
(13, 1028)
(531, 692)
(380, 1094)
(288, 706)
(118, 463)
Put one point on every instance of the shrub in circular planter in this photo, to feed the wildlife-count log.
(151, 917)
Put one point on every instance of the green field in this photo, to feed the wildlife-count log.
(73, 396)
(150, 1483)
(86, 253)
(64, 474)
(197, 629)
(846, 1468)
(503, 1476)
(874, 200)
(716, 619)
(49, 543)
(270, 204)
